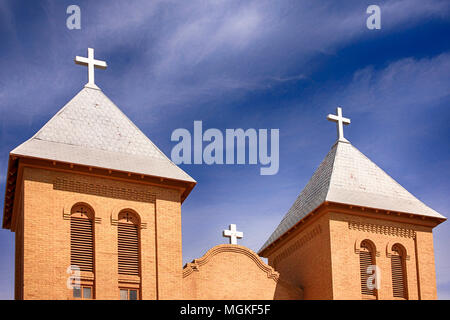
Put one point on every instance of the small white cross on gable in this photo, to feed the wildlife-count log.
(340, 121)
(233, 234)
(91, 63)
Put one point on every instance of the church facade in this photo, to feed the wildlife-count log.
(96, 211)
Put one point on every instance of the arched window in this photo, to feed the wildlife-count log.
(398, 266)
(82, 248)
(128, 226)
(367, 259)
(82, 238)
(128, 243)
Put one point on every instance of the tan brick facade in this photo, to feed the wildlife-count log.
(43, 254)
(228, 272)
(304, 260)
(317, 259)
(43, 234)
(321, 254)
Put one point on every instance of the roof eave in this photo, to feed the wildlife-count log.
(10, 188)
(11, 182)
(264, 250)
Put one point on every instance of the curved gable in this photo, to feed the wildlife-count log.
(234, 272)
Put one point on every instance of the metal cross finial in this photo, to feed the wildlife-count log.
(233, 234)
(340, 120)
(91, 63)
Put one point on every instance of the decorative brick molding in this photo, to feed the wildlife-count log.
(68, 209)
(234, 248)
(115, 216)
(382, 229)
(66, 216)
(103, 190)
(389, 250)
(358, 246)
(298, 244)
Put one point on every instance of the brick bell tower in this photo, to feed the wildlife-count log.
(95, 206)
(350, 221)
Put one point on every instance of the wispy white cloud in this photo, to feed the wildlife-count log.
(402, 84)
(197, 51)
(245, 45)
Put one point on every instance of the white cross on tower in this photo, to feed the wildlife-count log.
(233, 234)
(91, 63)
(340, 120)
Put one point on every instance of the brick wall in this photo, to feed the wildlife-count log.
(48, 197)
(426, 267)
(234, 272)
(347, 232)
(304, 259)
(321, 255)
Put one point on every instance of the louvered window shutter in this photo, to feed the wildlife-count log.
(365, 260)
(82, 243)
(398, 274)
(128, 247)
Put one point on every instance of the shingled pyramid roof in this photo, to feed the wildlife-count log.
(347, 176)
(91, 130)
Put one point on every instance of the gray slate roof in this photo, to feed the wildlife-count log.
(348, 176)
(91, 130)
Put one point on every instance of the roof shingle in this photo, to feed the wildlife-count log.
(91, 130)
(347, 176)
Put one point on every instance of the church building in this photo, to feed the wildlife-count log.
(96, 211)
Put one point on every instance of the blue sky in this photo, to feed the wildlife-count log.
(245, 64)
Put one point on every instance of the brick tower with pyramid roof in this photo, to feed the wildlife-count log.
(95, 206)
(355, 233)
